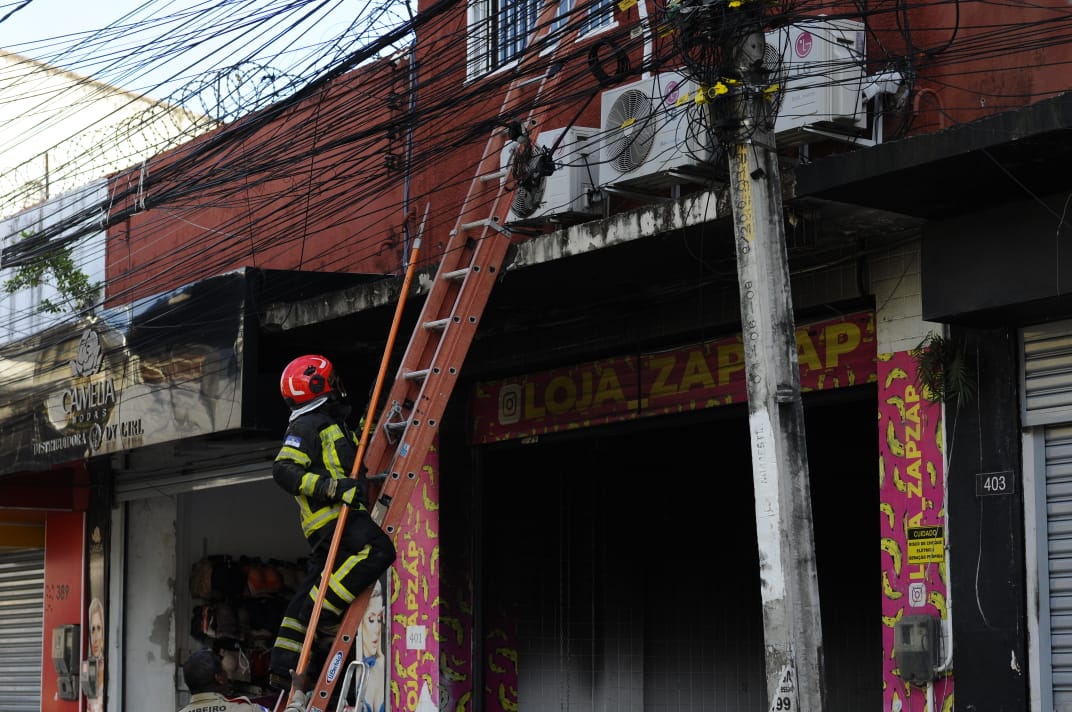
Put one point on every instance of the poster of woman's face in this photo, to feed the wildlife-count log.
(93, 666)
(371, 649)
(96, 629)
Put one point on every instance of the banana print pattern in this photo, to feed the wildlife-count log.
(888, 589)
(891, 621)
(887, 509)
(416, 601)
(891, 547)
(895, 446)
(896, 373)
(911, 494)
(936, 599)
(898, 481)
(898, 403)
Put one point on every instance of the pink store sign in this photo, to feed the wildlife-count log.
(832, 353)
(913, 523)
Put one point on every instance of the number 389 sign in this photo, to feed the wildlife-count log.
(785, 697)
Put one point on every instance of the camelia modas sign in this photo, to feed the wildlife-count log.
(165, 368)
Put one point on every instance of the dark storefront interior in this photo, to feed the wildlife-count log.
(624, 560)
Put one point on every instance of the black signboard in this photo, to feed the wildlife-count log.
(164, 368)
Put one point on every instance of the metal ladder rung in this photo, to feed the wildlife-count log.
(396, 425)
(417, 375)
(438, 324)
(456, 274)
(531, 80)
(486, 222)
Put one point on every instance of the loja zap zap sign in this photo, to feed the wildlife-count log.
(832, 354)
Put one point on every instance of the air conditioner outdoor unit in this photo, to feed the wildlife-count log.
(568, 194)
(819, 65)
(655, 134)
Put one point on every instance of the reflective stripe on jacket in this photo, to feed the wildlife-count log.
(215, 702)
(317, 448)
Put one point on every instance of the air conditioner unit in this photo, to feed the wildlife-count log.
(568, 194)
(819, 65)
(654, 134)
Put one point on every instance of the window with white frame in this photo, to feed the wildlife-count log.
(600, 14)
(499, 30)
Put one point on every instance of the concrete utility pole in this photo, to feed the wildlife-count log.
(791, 623)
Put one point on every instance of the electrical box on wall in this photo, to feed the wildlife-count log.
(915, 645)
(65, 646)
(89, 679)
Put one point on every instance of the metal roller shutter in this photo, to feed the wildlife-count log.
(22, 612)
(1059, 558)
(1046, 400)
(1047, 374)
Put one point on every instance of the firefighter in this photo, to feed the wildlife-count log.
(314, 465)
(209, 686)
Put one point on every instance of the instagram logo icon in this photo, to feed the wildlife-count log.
(510, 404)
(917, 594)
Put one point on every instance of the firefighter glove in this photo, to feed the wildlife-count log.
(350, 492)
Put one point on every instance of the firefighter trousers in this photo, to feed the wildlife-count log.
(365, 552)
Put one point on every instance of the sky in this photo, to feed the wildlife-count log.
(160, 47)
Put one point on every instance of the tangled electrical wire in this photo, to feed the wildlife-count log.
(720, 45)
(708, 34)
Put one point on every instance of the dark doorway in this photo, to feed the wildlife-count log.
(622, 565)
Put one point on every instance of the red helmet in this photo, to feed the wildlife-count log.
(308, 377)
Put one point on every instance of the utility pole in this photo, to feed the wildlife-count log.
(791, 622)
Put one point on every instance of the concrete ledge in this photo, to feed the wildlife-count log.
(694, 209)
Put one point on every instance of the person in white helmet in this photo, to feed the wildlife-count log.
(314, 465)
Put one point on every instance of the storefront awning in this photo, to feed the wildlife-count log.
(164, 368)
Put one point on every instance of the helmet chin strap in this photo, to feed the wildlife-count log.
(311, 405)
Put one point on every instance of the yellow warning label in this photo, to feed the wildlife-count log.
(926, 545)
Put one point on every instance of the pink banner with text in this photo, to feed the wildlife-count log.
(833, 353)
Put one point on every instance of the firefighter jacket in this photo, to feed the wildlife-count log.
(215, 702)
(318, 450)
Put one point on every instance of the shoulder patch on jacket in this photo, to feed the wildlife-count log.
(292, 441)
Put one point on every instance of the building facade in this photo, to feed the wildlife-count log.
(586, 530)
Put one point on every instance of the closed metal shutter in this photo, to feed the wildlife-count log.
(1046, 400)
(1047, 374)
(22, 614)
(1059, 555)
